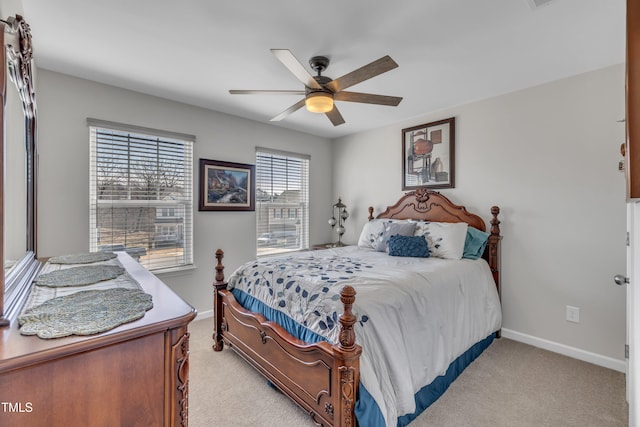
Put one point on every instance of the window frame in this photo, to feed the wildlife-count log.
(180, 161)
(274, 216)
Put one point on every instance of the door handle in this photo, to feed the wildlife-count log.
(620, 279)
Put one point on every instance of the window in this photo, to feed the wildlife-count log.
(282, 201)
(141, 197)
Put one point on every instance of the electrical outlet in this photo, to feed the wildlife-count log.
(573, 314)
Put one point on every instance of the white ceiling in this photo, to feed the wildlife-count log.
(449, 52)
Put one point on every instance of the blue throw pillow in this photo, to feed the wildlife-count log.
(414, 246)
(474, 243)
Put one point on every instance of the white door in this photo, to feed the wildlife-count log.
(633, 313)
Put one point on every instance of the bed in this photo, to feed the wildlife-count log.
(315, 357)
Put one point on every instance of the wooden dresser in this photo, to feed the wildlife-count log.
(134, 375)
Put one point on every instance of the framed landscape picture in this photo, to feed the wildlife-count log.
(428, 155)
(226, 186)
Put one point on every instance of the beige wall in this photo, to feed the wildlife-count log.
(548, 157)
(65, 102)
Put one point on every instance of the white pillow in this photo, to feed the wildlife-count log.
(395, 228)
(371, 233)
(445, 239)
(375, 233)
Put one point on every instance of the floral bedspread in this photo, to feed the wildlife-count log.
(305, 288)
(415, 315)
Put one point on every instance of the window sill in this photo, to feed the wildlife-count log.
(174, 271)
(264, 254)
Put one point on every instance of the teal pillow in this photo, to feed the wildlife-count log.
(474, 243)
(414, 246)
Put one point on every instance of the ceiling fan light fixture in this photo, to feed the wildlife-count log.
(321, 91)
(319, 102)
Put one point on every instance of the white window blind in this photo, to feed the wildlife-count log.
(141, 194)
(282, 202)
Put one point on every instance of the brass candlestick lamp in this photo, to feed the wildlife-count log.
(339, 211)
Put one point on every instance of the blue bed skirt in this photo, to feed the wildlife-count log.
(366, 409)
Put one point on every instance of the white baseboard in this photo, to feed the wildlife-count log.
(204, 314)
(576, 353)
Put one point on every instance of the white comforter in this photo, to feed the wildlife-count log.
(416, 315)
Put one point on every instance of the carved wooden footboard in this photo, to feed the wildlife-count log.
(321, 378)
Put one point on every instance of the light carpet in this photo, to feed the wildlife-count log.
(511, 384)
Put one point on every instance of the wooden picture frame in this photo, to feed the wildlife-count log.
(226, 186)
(428, 155)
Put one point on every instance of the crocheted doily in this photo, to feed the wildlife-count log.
(85, 313)
(83, 258)
(79, 276)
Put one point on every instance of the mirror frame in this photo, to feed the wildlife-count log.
(16, 58)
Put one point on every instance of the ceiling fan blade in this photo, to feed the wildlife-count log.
(366, 72)
(367, 98)
(295, 107)
(297, 69)
(335, 116)
(266, 92)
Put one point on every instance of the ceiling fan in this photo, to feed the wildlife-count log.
(320, 91)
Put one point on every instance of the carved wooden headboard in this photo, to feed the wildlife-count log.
(428, 205)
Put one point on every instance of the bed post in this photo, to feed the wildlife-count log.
(494, 246)
(218, 285)
(494, 251)
(346, 364)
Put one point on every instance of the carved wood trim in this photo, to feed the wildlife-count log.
(269, 347)
(177, 392)
(218, 285)
(430, 205)
(348, 394)
(492, 253)
(17, 54)
(347, 360)
(347, 340)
